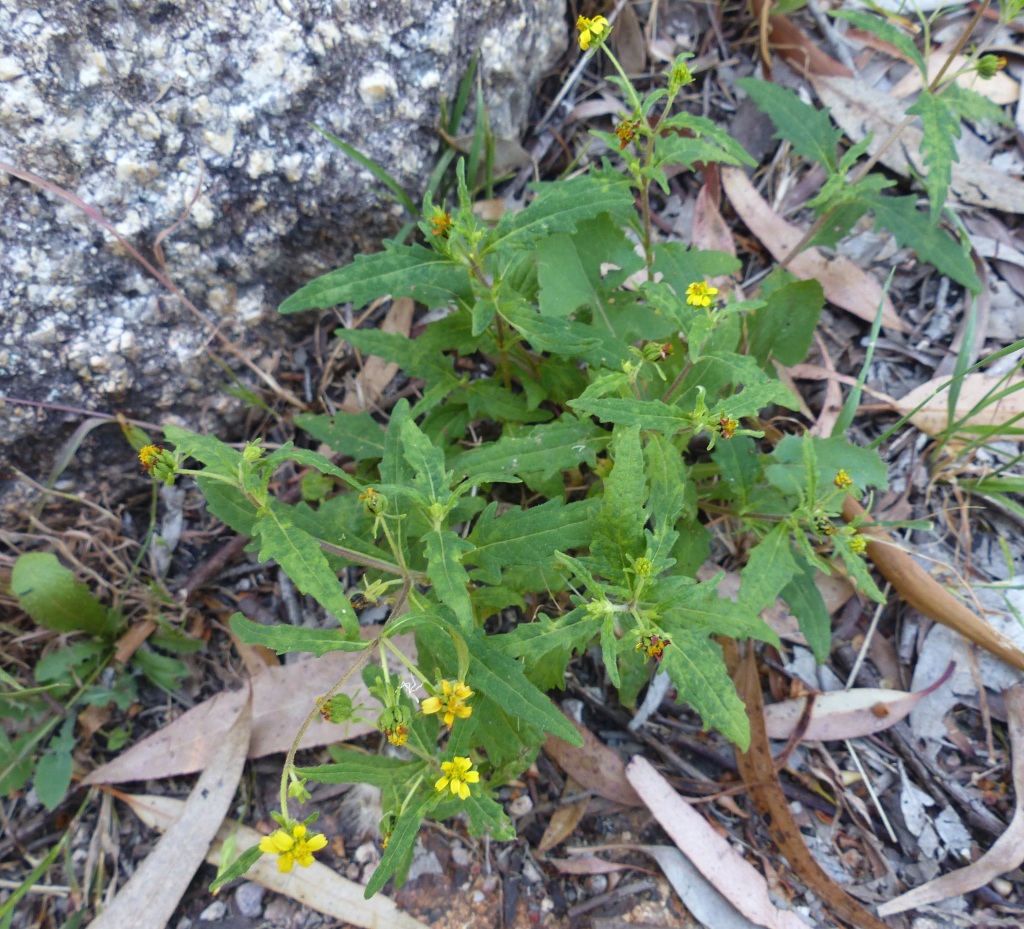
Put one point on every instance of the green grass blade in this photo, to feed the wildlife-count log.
(375, 169)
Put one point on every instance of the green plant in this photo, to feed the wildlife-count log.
(587, 377)
(617, 416)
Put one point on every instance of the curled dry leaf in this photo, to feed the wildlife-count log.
(860, 110)
(757, 768)
(317, 886)
(594, 766)
(725, 868)
(282, 698)
(845, 284)
(153, 892)
(1006, 853)
(844, 714)
(918, 588)
(589, 864)
(790, 41)
(565, 819)
(972, 406)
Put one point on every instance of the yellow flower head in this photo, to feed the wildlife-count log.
(858, 544)
(591, 30)
(148, 456)
(440, 222)
(292, 846)
(728, 427)
(457, 776)
(700, 294)
(842, 479)
(452, 702)
(398, 736)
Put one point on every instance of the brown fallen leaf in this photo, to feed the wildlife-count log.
(282, 698)
(725, 868)
(971, 406)
(565, 819)
(153, 892)
(926, 595)
(845, 714)
(845, 285)
(377, 373)
(317, 886)
(793, 44)
(757, 768)
(595, 766)
(590, 864)
(709, 230)
(860, 109)
(1006, 853)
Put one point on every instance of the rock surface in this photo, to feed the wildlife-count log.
(195, 114)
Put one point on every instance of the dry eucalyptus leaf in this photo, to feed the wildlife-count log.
(933, 417)
(723, 867)
(282, 698)
(845, 284)
(595, 766)
(860, 109)
(317, 886)
(565, 819)
(153, 892)
(1006, 853)
(844, 714)
(377, 373)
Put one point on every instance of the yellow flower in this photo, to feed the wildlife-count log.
(398, 736)
(457, 776)
(453, 702)
(292, 846)
(700, 294)
(728, 427)
(842, 479)
(858, 544)
(148, 456)
(591, 30)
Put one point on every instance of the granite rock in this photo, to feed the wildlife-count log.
(195, 114)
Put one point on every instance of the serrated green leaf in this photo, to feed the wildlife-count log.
(400, 845)
(487, 398)
(354, 767)
(786, 469)
(969, 104)
(544, 450)
(357, 435)
(696, 667)
(444, 551)
(284, 639)
(504, 681)
(547, 334)
(808, 606)
(610, 646)
(680, 265)
(427, 463)
(619, 527)
(237, 868)
(887, 32)
(528, 537)
(559, 206)
(784, 327)
(645, 414)
(740, 466)
(209, 450)
(302, 559)
(49, 593)
(685, 606)
(566, 634)
(941, 127)
(671, 491)
(722, 373)
(488, 816)
(809, 130)
(564, 281)
(401, 271)
(770, 567)
(914, 229)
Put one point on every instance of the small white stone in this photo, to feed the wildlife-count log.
(249, 900)
(215, 912)
(223, 143)
(10, 68)
(202, 213)
(291, 166)
(259, 163)
(521, 805)
(376, 87)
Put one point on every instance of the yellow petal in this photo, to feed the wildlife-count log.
(317, 842)
(285, 863)
(463, 791)
(441, 783)
(267, 845)
(430, 705)
(472, 777)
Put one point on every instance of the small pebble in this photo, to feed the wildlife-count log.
(479, 896)
(279, 911)
(249, 900)
(490, 884)
(597, 884)
(521, 805)
(461, 856)
(366, 853)
(215, 912)
(1002, 886)
(184, 923)
(530, 873)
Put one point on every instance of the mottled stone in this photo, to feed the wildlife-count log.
(198, 112)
